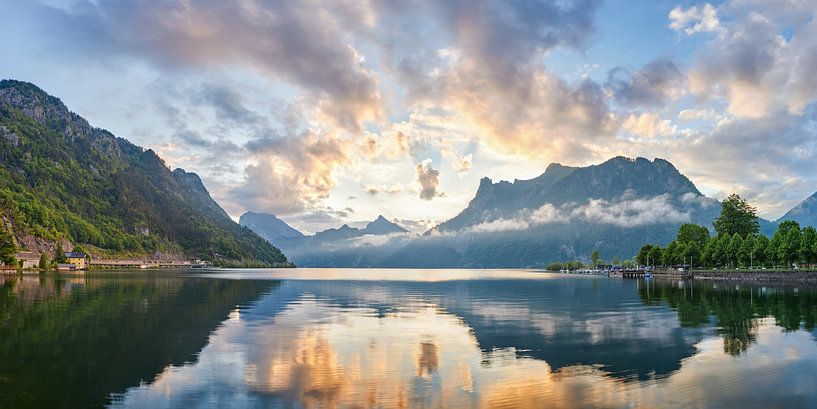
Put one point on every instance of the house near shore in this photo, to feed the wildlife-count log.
(79, 260)
(28, 258)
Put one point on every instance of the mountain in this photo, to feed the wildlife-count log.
(62, 180)
(268, 226)
(804, 213)
(381, 226)
(347, 246)
(619, 178)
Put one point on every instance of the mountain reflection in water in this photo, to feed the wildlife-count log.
(511, 339)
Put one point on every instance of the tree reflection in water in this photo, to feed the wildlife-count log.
(735, 309)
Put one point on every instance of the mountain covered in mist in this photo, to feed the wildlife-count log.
(347, 246)
(62, 180)
(565, 213)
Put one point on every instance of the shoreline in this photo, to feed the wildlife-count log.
(744, 275)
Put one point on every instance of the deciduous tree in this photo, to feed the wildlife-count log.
(737, 216)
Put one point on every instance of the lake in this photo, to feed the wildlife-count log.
(402, 338)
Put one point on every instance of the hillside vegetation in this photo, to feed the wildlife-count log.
(64, 180)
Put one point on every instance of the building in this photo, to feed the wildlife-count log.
(66, 267)
(29, 259)
(79, 260)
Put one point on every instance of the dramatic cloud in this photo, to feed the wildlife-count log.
(757, 67)
(301, 42)
(493, 78)
(290, 174)
(653, 84)
(308, 108)
(428, 178)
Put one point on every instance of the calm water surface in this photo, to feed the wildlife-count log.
(402, 338)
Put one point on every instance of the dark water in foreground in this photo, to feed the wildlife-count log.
(374, 338)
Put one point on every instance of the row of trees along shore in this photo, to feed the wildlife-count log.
(737, 243)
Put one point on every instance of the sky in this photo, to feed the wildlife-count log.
(337, 111)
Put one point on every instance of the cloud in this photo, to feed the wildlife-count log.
(300, 42)
(698, 114)
(290, 174)
(651, 85)
(371, 240)
(695, 19)
(492, 77)
(775, 148)
(429, 180)
(623, 213)
(228, 104)
(648, 124)
(754, 66)
(631, 213)
(500, 225)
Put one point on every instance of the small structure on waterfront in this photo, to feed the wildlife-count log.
(65, 267)
(29, 259)
(79, 260)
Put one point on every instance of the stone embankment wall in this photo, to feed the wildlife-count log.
(744, 275)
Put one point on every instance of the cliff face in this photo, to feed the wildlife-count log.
(63, 180)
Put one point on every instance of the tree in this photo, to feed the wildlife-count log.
(7, 249)
(737, 216)
(594, 258)
(643, 254)
(786, 243)
(59, 254)
(790, 248)
(722, 250)
(708, 254)
(746, 252)
(759, 253)
(656, 255)
(43, 262)
(670, 256)
(693, 233)
(735, 244)
(808, 238)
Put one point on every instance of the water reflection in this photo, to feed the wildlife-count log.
(734, 309)
(481, 339)
(560, 342)
(70, 341)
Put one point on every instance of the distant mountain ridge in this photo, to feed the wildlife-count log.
(344, 246)
(804, 213)
(268, 226)
(563, 214)
(63, 180)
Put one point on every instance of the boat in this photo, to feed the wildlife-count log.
(648, 275)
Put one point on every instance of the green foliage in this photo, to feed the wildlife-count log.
(59, 254)
(594, 258)
(693, 233)
(643, 256)
(7, 248)
(65, 180)
(43, 265)
(567, 265)
(790, 246)
(737, 217)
